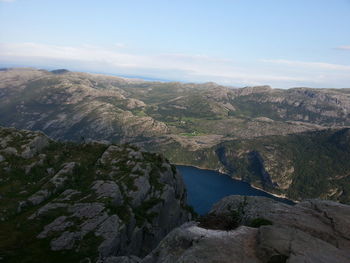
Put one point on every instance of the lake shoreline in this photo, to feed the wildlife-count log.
(239, 180)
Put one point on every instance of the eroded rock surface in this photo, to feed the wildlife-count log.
(311, 231)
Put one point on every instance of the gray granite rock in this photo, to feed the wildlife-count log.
(123, 259)
(36, 145)
(313, 231)
(67, 195)
(109, 230)
(296, 246)
(39, 197)
(143, 187)
(65, 241)
(107, 189)
(61, 177)
(326, 220)
(10, 151)
(190, 243)
(58, 225)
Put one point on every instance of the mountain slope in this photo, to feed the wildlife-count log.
(304, 165)
(75, 202)
(275, 139)
(70, 105)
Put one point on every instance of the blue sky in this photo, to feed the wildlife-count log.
(239, 42)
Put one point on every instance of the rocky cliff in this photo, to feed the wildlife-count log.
(262, 231)
(299, 166)
(106, 203)
(83, 202)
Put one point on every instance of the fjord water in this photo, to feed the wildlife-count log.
(206, 187)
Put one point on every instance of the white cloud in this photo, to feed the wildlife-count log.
(316, 65)
(175, 66)
(343, 48)
(120, 45)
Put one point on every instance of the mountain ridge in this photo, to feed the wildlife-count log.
(184, 120)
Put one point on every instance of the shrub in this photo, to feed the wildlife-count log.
(257, 222)
(219, 222)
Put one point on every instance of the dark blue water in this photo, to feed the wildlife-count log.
(206, 187)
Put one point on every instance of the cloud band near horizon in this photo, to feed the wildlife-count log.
(280, 73)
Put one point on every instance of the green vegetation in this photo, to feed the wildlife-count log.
(190, 209)
(218, 222)
(248, 106)
(314, 162)
(258, 222)
(154, 180)
(139, 113)
(142, 212)
(278, 259)
(87, 164)
(182, 120)
(192, 134)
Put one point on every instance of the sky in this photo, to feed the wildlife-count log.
(282, 43)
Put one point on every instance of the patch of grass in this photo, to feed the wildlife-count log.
(192, 134)
(278, 259)
(154, 180)
(190, 209)
(258, 222)
(142, 212)
(139, 113)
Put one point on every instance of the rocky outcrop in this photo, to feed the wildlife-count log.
(23, 143)
(323, 220)
(72, 106)
(269, 231)
(190, 243)
(111, 203)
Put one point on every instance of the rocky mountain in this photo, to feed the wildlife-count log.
(260, 230)
(108, 203)
(83, 202)
(291, 142)
(312, 164)
(72, 105)
(68, 105)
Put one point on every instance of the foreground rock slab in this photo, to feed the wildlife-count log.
(311, 231)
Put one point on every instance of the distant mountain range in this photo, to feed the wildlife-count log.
(293, 142)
